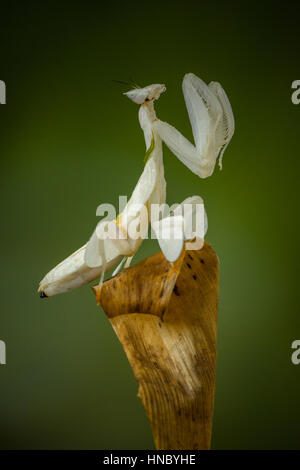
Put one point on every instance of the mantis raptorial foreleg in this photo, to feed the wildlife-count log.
(212, 124)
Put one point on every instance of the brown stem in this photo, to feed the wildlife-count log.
(165, 317)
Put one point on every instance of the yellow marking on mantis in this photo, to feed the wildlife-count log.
(150, 150)
(118, 223)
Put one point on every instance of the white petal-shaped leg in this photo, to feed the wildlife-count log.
(93, 255)
(170, 235)
(187, 222)
(195, 219)
(208, 109)
(195, 222)
(108, 243)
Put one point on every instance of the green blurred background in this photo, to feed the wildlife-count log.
(69, 140)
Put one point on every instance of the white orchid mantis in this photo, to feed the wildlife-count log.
(213, 126)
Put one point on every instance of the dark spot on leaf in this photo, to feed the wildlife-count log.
(176, 291)
(202, 261)
(188, 265)
(194, 277)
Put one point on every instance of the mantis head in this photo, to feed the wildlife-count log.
(149, 93)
